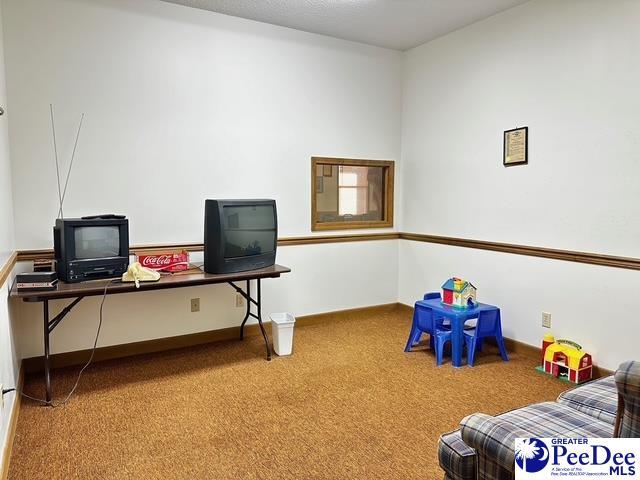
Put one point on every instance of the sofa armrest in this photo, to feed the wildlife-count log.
(628, 383)
(492, 437)
(628, 379)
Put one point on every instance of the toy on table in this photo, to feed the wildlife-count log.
(566, 360)
(458, 293)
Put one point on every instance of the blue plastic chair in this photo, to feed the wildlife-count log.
(442, 323)
(488, 325)
(431, 296)
(425, 322)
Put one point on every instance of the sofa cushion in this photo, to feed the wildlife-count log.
(494, 437)
(456, 458)
(598, 399)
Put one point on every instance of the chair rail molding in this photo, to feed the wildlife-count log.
(47, 254)
(630, 263)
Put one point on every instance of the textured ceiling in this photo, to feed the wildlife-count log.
(397, 24)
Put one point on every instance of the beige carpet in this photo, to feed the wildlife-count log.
(349, 404)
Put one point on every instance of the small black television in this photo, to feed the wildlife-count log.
(239, 235)
(91, 248)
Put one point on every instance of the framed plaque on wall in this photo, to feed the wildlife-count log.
(516, 146)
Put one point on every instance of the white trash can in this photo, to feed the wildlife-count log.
(282, 330)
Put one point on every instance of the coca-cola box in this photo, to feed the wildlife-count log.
(166, 262)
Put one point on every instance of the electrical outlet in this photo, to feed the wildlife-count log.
(546, 319)
(239, 300)
(195, 305)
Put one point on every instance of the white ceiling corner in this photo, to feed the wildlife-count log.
(395, 24)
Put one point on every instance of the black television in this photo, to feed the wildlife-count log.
(91, 248)
(239, 235)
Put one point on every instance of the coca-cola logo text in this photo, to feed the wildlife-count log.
(157, 260)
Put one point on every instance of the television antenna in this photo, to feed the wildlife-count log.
(62, 192)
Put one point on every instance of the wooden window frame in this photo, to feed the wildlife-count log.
(388, 171)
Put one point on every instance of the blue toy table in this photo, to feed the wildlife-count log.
(458, 317)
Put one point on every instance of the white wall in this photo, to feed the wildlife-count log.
(9, 358)
(9, 362)
(6, 200)
(181, 105)
(569, 71)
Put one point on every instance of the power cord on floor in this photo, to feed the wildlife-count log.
(93, 351)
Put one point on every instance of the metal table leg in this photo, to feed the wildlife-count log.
(48, 327)
(47, 365)
(258, 304)
(246, 316)
(259, 317)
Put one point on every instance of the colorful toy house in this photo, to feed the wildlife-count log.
(458, 293)
(565, 358)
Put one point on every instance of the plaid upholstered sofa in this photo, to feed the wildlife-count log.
(483, 447)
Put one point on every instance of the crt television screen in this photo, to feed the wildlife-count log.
(249, 230)
(97, 242)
